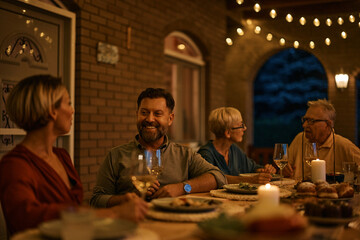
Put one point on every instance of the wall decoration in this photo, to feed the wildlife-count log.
(107, 53)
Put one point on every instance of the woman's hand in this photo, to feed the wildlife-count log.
(134, 210)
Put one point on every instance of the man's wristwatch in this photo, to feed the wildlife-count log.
(187, 187)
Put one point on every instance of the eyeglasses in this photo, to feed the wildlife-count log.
(311, 121)
(241, 126)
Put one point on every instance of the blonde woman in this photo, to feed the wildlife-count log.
(228, 127)
(37, 180)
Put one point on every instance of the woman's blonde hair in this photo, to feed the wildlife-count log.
(222, 119)
(31, 100)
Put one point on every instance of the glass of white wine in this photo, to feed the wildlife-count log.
(141, 176)
(154, 162)
(310, 153)
(281, 157)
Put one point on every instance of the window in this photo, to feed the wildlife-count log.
(184, 73)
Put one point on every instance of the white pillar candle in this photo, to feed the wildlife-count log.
(318, 170)
(269, 194)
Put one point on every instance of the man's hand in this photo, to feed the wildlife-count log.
(153, 188)
(262, 178)
(288, 171)
(268, 168)
(170, 190)
(134, 210)
(120, 199)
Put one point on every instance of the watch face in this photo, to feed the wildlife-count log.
(187, 188)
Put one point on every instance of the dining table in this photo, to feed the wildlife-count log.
(167, 225)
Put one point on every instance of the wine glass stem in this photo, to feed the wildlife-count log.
(281, 176)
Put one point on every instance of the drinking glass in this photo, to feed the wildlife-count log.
(281, 157)
(310, 153)
(141, 176)
(154, 162)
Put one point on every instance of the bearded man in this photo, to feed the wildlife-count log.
(184, 170)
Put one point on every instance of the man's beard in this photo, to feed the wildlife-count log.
(150, 137)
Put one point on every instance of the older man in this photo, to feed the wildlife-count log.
(318, 124)
(184, 171)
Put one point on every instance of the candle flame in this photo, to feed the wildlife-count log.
(268, 186)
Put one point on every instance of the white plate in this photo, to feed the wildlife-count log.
(105, 228)
(248, 174)
(234, 188)
(331, 221)
(165, 204)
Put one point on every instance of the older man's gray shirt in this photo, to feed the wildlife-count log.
(180, 163)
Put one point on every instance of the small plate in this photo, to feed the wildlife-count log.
(331, 221)
(208, 205)
(275, 177)
(104, 228)
(234, 188)
(248, 174)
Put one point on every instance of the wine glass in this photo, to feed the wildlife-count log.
(154, 162)
(141, 176)
(310, 153)
(281, 157)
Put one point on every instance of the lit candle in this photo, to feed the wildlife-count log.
(269, 194)
(318, 170)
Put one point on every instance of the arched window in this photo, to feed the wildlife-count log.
(184, 73)
(282, 88)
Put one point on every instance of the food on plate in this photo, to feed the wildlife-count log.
(344, 190)
(190, 202)
(247, 186)
(327, 192)
(328, 209)
(320, 183)
(224, 226)
(306, 189)
(281, 218)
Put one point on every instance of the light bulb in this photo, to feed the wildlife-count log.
(327, 41)
(289, 18)
(240, 32)
(312, 45)
(328, 22)
(282, 41)
(340, 21)
(296, 44)
(257, 7)
(343, 35)
(316, 22)
(351, 18)
(240, 2)
(229, 41)
(302, 21)
(257, 30)
(273, 13)
(269, 37)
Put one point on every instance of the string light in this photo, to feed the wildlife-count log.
(327, 41)
(269, 37)
(311, 44)
(282, 41)
(240, 32)
(257, 30)
(229, 41)
(273, 13)
(340, 21)
(328, 22)
(302, 21)
(316, 22)
(343, 35)
(296, 44)
(257, 7)
(239, 2)
(289, 18)
(351, 18)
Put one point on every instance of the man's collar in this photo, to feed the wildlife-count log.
(164, 145)
(327, 144)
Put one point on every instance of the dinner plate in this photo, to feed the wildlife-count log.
(104, 228)
(234, 188)
(166, 204)
(331, 221)
(275, 177)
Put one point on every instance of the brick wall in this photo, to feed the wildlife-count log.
(105, 95)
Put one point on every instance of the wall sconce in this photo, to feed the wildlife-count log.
(341, 80)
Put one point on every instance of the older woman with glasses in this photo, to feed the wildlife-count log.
(228, 127)
(318, 124)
